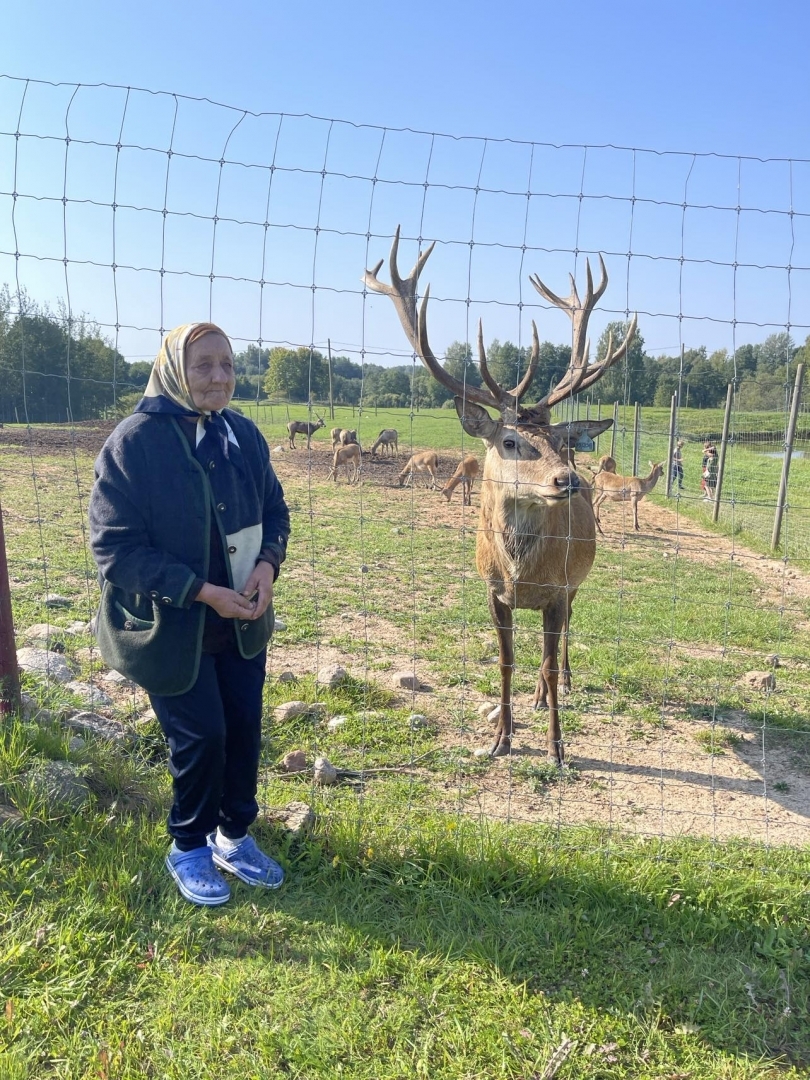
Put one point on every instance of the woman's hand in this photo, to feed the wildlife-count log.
(226, 602)
(260, 582)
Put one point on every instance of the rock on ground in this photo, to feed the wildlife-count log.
(90, 695)
(760, 680)
(324, 772)
(289, 710)
(406, 680)
(330, 676)
(60, 785)
(90, 723)
(295, 761)
(296, 818)
(41, 662)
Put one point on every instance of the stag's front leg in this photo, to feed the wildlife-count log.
(501, 615)
(554, 620)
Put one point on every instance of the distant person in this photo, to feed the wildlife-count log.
(677, 464)
(188, 528)
(709, 475)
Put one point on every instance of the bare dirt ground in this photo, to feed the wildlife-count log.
(657, 783)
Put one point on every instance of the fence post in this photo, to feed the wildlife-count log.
(791, 431)
(331, 398)
(614, 429)
(636, 437)
(673, 412)
(721, 465)
(9, 672)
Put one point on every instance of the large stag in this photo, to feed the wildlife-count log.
(537, 536)
(302, 427)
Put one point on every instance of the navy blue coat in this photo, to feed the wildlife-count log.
(151, 510)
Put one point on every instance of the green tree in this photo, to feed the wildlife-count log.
(625, 380)
(297, 374)
(459, 363)
(775, 352)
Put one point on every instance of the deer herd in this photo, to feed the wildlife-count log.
(536, 539)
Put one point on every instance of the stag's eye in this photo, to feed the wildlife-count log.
(509, 444)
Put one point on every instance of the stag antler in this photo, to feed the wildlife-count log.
(581, 374)
(403, 293)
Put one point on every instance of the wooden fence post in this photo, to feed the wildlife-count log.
(721, 465)
(673, 413)
(791, 432)
(636, 437)
(9, 672)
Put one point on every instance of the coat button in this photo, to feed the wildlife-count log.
(221, 507)
(212, 465)
(129, 625)
(154, 595)
(231, 549)
(245, 626)
(166, 600)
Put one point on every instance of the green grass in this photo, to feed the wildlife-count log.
(410, 939)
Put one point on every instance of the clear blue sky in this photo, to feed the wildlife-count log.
(710, 78)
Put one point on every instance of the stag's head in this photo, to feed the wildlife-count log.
(526, 453)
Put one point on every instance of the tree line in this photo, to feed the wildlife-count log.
(54, 367)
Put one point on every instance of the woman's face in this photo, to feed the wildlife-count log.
(209, 371)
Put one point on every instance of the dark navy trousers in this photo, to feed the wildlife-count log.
(214, 736)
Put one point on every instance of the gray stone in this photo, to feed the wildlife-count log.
(289, 710)
(324, 772)
(115, 678)
(279, 625)
(337, 722)
(41, 662)
(370, 714)
(78, 627)
(60, 785)
(90, 695)
(287, 677)
(330, 676)
(760, 680)
(9, 816)
(90, 723)
(76, 744)
(42, 634)
(296, 818)
(406, 680)
(417, 720)
(295, 761)
(481, 752)
(53, 600)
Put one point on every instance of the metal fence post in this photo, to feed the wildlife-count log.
(721, 465)
(636, 437)
(9, 672)
(614, 429)
(673, 412)
(791, 431)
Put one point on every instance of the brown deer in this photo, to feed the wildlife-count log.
(349, 456)
(536, 539)
(302, 427)
(465, 473)
(387, 442)
(335, 433)
(424, 461)
(617, 488)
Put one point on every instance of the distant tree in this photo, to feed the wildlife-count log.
(251, 361)
(625, 380)
(297, 374)
(745, 359)
(136, 374)
(459, 363)
(775, 353)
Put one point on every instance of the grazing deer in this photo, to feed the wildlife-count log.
(335, 433)
(465, 473)
(606, 463)
(388, 442)
(617, 488)
(425, 461)
(349, 456)
(303, 427)
(537, 533)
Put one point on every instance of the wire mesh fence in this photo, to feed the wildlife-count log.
(124, 212)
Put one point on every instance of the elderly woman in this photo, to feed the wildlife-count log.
(189, 527)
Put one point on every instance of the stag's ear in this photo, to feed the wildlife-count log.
(571, 432)
(475, 420)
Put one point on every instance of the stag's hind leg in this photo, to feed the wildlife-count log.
(501, 615)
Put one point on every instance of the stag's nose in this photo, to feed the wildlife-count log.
(567, 481)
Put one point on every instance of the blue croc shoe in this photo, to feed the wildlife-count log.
(197, 878)
(247, 861)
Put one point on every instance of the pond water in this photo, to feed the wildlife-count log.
(781, 453)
